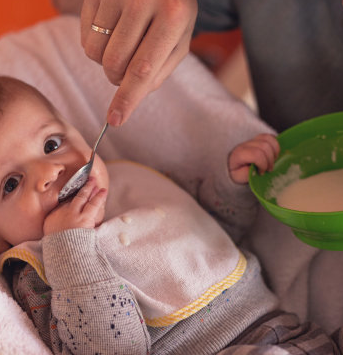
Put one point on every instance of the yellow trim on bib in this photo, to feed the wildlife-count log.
(26, 256)
(204, 300)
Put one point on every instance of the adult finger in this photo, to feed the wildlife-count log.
(172, 62)
(95, 43)
(88, 12)
(149, 58)
(125, 40)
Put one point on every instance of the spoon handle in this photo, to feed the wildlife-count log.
(98, 140)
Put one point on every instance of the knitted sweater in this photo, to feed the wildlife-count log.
(158, 276)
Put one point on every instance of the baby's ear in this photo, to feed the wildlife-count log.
(4, 246)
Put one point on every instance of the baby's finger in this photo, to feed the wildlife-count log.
(251, 153)
(272, 141)
(269, 153)
(267, 147)
(83, 196)
(247, 154)
(240, 160)
(96, 203)
(241, 175)
(264, 160)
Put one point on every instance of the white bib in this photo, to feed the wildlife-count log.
(172, 253)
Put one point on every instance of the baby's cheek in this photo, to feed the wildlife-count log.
(4, 246)
(100, 173)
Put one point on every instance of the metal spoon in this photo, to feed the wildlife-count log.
(75, 183)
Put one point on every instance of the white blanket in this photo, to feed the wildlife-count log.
(190, 112)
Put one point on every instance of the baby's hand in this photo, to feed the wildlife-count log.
(85, 210)
(261, 150)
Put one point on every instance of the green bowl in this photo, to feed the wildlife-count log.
(308, 148)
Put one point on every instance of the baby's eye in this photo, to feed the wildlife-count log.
(51, 144)
(11, 184)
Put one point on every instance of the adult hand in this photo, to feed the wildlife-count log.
(149, 39)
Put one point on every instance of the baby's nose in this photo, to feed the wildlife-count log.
(48, 174)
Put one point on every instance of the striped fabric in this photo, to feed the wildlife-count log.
(280, 333)
(31, 256)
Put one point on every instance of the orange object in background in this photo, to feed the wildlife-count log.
(17, 14)
(215, 48)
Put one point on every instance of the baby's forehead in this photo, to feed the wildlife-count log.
(13, 90)
(29, 113)
(16, 95)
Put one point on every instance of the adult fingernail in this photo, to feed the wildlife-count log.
(115, 118)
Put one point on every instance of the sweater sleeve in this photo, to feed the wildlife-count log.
(95, 311)
(233, 205)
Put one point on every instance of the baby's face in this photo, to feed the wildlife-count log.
(38, 154)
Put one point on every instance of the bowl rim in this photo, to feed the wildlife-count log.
(253, 171)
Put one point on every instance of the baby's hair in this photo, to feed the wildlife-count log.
(12, 89)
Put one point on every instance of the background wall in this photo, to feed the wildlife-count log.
(16, 14)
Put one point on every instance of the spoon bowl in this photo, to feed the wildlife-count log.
(79, 179)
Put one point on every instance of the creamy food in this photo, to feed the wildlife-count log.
(322, 192)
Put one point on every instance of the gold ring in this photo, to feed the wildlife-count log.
(99, 29)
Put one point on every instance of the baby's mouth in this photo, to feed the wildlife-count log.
(75, 183)
(72, 185)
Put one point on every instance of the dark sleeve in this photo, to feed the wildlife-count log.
(34, 297)
(216, 15)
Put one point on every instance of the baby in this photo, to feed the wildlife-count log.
(132, 264)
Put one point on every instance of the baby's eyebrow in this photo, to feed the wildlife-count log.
(45, 125)
(2, 174)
